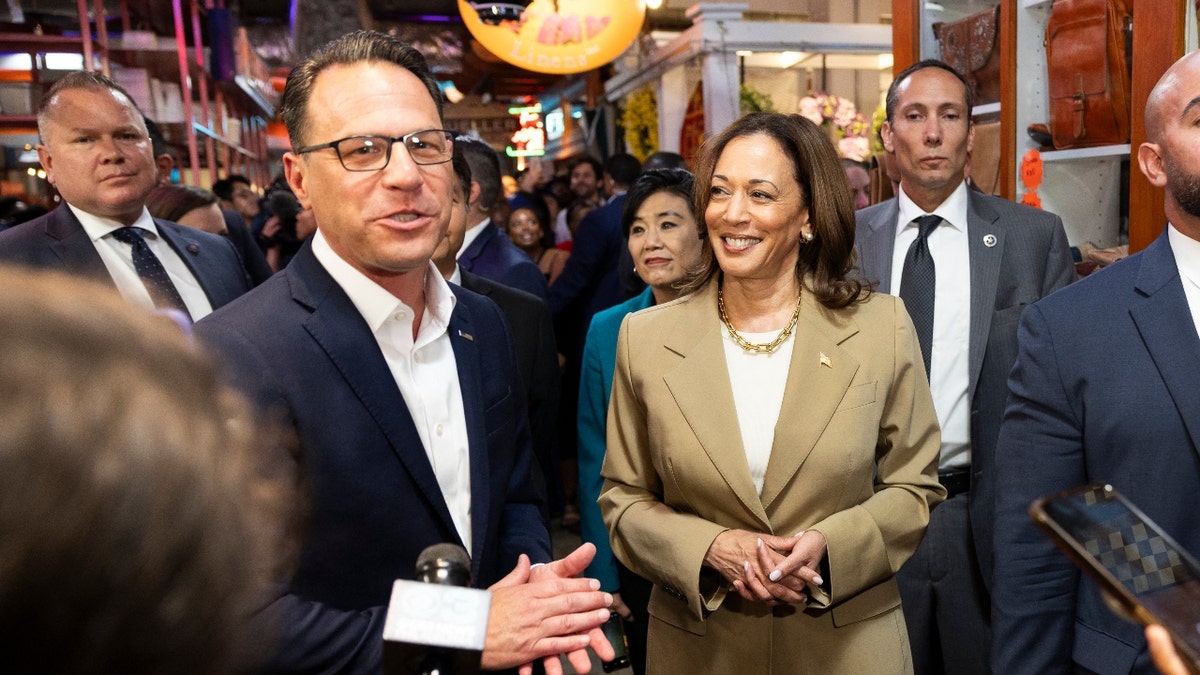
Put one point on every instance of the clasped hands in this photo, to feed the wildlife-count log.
(768, 568)
(544, 611)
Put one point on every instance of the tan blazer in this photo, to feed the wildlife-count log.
(854, 457)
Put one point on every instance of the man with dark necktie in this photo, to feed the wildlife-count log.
(96, 151)
(965, 264)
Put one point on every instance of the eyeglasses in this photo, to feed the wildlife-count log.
(372, 153)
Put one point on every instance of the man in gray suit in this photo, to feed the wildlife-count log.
(966, 264)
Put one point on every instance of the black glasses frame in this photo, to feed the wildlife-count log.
(387, 153)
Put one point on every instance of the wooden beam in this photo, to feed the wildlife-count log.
(906, 34)
(1158, 42)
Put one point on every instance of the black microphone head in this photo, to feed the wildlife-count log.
(446, 564)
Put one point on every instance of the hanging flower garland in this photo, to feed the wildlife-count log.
(640, 121)
(849, 130)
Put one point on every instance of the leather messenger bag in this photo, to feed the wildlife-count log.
(970, 46)
(1087, 63)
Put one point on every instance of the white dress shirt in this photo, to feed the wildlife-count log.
(424, 370)
(949, 370)
(118, 260)
(1187, 258)
(758, 382)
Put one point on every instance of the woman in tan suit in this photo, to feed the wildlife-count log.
(772, 443)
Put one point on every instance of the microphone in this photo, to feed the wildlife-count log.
(436, 625)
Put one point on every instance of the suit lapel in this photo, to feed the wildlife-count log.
(340, 330)
(462, 339)
(1166, 327)
(472, 252)
(700, 385)
(74, 248)
(984, 262)
(876, 243)
(818, 376)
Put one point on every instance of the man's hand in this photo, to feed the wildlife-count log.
(542, 617)
(1162, 650)
(572, 565)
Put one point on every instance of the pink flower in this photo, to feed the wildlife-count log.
(854, 147)
(810, 109)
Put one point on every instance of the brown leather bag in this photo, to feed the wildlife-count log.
(1087, 63)
(970, 46)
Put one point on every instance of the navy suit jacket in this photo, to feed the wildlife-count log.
(537, 362)
(57, 241)
(1028, 259)
(299, 346)
(1106, 389)
(494, 256)
(590, 277)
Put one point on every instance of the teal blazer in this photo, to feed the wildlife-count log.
(595, 385)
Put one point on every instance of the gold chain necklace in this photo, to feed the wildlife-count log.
(753, 347)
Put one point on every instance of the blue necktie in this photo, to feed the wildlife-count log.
(150, 269)
(917, 285)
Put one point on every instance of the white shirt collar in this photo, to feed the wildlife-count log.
(375, 303)
(98, 227)
(953, 210)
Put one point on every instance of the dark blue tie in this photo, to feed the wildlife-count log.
(917, 285)
(149, 268)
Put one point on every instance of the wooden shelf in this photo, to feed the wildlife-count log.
(1097, 152)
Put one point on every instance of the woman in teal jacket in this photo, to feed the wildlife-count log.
(664, 240)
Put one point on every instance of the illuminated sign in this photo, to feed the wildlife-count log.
(555, 126)
(560, 37)
(530, 139)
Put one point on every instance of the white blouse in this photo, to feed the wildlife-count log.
(758, 381)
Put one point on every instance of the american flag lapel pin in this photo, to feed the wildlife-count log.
(466, 335)
(826, 361)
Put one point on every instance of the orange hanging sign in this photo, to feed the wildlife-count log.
(559, 37)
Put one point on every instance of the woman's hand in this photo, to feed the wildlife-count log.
(801, 564)
(745, 559)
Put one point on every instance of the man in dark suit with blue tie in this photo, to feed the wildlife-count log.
(402, 391)
(1106, 389)
(965, 264)
(96, 150)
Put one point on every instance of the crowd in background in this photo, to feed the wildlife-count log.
(701, 369)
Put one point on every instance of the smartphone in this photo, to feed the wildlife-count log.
(614, 631)
(1140, 567)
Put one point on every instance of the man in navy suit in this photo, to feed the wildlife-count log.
(1105, 390)
(402, 391)
(487, 251)
(96, 150)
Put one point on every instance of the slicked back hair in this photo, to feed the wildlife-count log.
(358, 47)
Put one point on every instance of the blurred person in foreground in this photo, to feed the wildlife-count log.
(141, 526)
(772, 442)
(402, 390)
(1104, 390)
(664, 241)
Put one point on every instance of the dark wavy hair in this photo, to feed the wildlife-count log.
(829, 258)
(676, 181)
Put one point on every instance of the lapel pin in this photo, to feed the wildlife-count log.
(826, 361)
(194, 249)
(989, 240)
(466, 335)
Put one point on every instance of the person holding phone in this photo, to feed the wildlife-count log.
(1104, 390)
